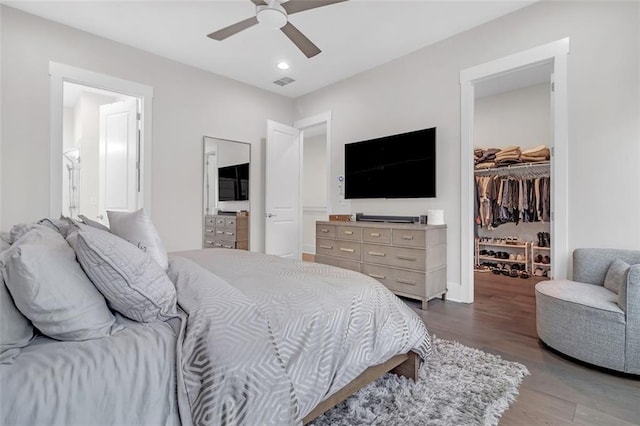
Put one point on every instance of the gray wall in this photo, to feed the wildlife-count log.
(422, 90)
(188, 104)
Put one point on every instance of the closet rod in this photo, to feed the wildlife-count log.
(523, 166)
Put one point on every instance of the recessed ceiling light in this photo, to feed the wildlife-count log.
(283, 66)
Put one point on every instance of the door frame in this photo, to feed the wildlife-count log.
(304, 123)
(60, 73)
(555, 52)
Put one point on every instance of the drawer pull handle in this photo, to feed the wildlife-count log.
(209, 230)
(231, 222)
(375, 234)
(229, 233)
(410, 259)
(220, 222)
(326, 247)
(401, 281)
(218, 245)
(227, 246)
(326, 231)
(208, 241)
(348, 250)
(348, 232)
(407, 237)
(219, 232)
(377, 253)
(376, 276)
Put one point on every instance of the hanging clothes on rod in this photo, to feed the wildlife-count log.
(512, 194)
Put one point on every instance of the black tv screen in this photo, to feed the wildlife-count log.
(233, 182)
(397, 166)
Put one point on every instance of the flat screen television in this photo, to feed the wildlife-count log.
(233, 182)
(397, 166)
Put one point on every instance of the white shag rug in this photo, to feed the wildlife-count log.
(457, 385)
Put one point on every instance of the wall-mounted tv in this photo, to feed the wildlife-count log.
(233, 182)
(397, 166)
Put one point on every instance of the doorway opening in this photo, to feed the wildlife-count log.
(554, 55)
(512, 130)
(99, 152)
(314, 185)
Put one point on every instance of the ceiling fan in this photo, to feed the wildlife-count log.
(274, 14)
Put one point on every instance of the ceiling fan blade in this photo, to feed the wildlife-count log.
(233, 29)
(259, 2)
(295, 6)
(300, 40)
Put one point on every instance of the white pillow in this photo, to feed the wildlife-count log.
(15, 330)
(132, 282)
(49, 287)
(137, 228)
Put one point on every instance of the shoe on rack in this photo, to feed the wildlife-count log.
(547, 239)
(541, 240)
(524, 275)
(538, 272)
(546, 260)
(514, 273)
(538, 258)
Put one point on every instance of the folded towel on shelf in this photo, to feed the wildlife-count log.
(536, 151)
(508, 162)
(486, 165)
(511, 152)
(528, 159)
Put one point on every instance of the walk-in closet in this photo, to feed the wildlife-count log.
(512, 178)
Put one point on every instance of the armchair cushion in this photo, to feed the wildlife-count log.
(616, 276)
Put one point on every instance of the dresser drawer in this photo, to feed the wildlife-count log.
(376, 235)
(413, 283)
(209, 221)
(345, 249)
(325, 231)
(348, 233)
(209, 231)
(230, 222)
(216, 243)
(400, 257)
(340, 263)
(408, 237)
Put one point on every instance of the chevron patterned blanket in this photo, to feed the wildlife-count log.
(266, 338)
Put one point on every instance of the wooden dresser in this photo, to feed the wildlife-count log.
(222, 231)
(409, 259)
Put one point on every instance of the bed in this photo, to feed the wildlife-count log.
(256, 339)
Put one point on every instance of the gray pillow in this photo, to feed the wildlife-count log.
(129, 279)
(15, 330)
(92, 223)
(50, 288)
(137, 228)
(616, 275)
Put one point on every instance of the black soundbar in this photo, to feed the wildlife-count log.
(360, 217)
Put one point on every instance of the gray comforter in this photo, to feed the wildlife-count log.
(261, 341)
(283, 336)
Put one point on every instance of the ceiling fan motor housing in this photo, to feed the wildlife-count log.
(272, 15)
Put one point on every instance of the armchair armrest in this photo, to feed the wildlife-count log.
(629, 301)
(590, 265)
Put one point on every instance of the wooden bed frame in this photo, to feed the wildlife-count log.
(403, 365)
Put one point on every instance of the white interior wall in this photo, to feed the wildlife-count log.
(314, 188)
(514, 118)
(188, 104)
(422, 90)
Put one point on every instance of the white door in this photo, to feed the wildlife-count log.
(282, 190)
(118, 158)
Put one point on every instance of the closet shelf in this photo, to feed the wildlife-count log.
(495, 259)
(544, 265)
(485, 243)
(541, 168)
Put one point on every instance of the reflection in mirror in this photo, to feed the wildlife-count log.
(226, 193)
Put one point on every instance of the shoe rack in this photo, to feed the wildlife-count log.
(530, 256)
(502, 250)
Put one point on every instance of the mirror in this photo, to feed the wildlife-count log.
(226, 193)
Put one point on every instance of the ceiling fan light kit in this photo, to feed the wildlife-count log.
(271, 16)
(275, 15)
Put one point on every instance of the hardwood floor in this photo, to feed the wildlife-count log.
(558, 391)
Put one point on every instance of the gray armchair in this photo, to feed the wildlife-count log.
(585, 320)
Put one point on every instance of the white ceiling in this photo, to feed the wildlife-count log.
(354, 36)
